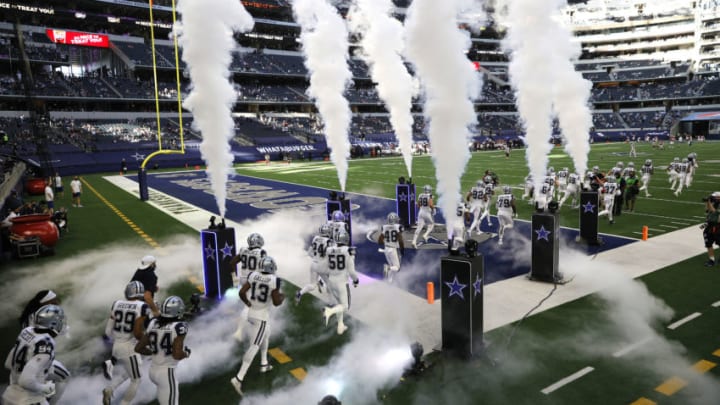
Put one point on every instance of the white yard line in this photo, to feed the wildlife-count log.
(567, 380)
(627, 349)
(683, 321)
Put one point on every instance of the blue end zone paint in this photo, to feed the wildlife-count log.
(250, 197)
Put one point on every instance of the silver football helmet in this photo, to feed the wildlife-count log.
(676, 159)
(596, 169)
(631, 164)
(325, 230)
(685, 160)
(427, 189)
(342, 237)
(50, 317)
(255, 240)
(507, 190)
(338, 216)
(267, 265)
(480, 184)
(488, 179)
(393, 218)
(134, 289)
(648, 162)
(620, 164)
(172, 307)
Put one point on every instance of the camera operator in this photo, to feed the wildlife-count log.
(711, 229)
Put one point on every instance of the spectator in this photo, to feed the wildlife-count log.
(58, 185)
(76, 187)
(146, 275)
(49, 196)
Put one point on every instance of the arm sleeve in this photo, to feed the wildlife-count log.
(109, 326)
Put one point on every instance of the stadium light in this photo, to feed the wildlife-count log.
(80, 15)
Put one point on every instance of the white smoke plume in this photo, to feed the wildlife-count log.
(383, 42)
(531, 75)
(206, 38)
(571, 92)
(324, 39)
(436, 47)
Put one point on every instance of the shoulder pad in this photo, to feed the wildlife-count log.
(352, 250)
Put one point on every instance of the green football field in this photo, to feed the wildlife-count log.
(579, 342)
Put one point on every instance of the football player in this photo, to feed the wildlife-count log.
(248, 257)
(318, 270)
(571, 190)
(459, 233)
(609, 190)
(682, 171)
(647, 171)
(477, 200)
(391, 238)
(165, 342)
(562, 180)
(341, 264)
(125, 326)
(673, 172)
(32, 359)
(426, 211)
(529, 188)
(337, 223)
(490, 183)
(506, 211)
(545, 195)
(264, 288)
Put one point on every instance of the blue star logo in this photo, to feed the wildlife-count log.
(412, 196)
(477, 286)
(456, 288)
(543, 234)
(403, 197)
(210, 252)
(589, 207)
(227, 250)
(138, 156)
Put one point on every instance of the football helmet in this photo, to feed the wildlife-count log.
(393, 218)
(342, 237)
(488, 179)
(267, 265)
(685, 160)
(255, 240)
(480, 184)
(648, 162)
(507, 190)
(620, 164)
(134, 289)
(50, 317)
(427, 189)
(676, 159)
(338, 216)
(596, 169)
(325, 230)
(172, 307)
(565, 169)
(550, 170)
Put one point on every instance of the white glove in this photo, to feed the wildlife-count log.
(48, 389)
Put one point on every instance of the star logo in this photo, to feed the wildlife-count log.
(210, 252)
(456, 288)
(589, 207)
(227, 250)
(412, 196)
(138, 156)
(543, 234)
(403, 197)
(477, 286)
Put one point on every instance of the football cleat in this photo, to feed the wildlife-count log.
(237, 384)
(341, 329)
(264, 368)
(298, 295)
(326, 315)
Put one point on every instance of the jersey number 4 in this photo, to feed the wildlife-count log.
(165, 343)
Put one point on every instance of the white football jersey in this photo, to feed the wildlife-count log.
(573, 178)
(341, 262)
(161, 338)
(260, 294)
(124, 314)
(647, 169)
(477, 195)
(318, 246)
(249, 261)
(423, 201)
(610, 188)
(562, 176)
(682, 168)
(391, 235)
(31, 345)
(489, 190)
(504, 203)
(337, 226)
